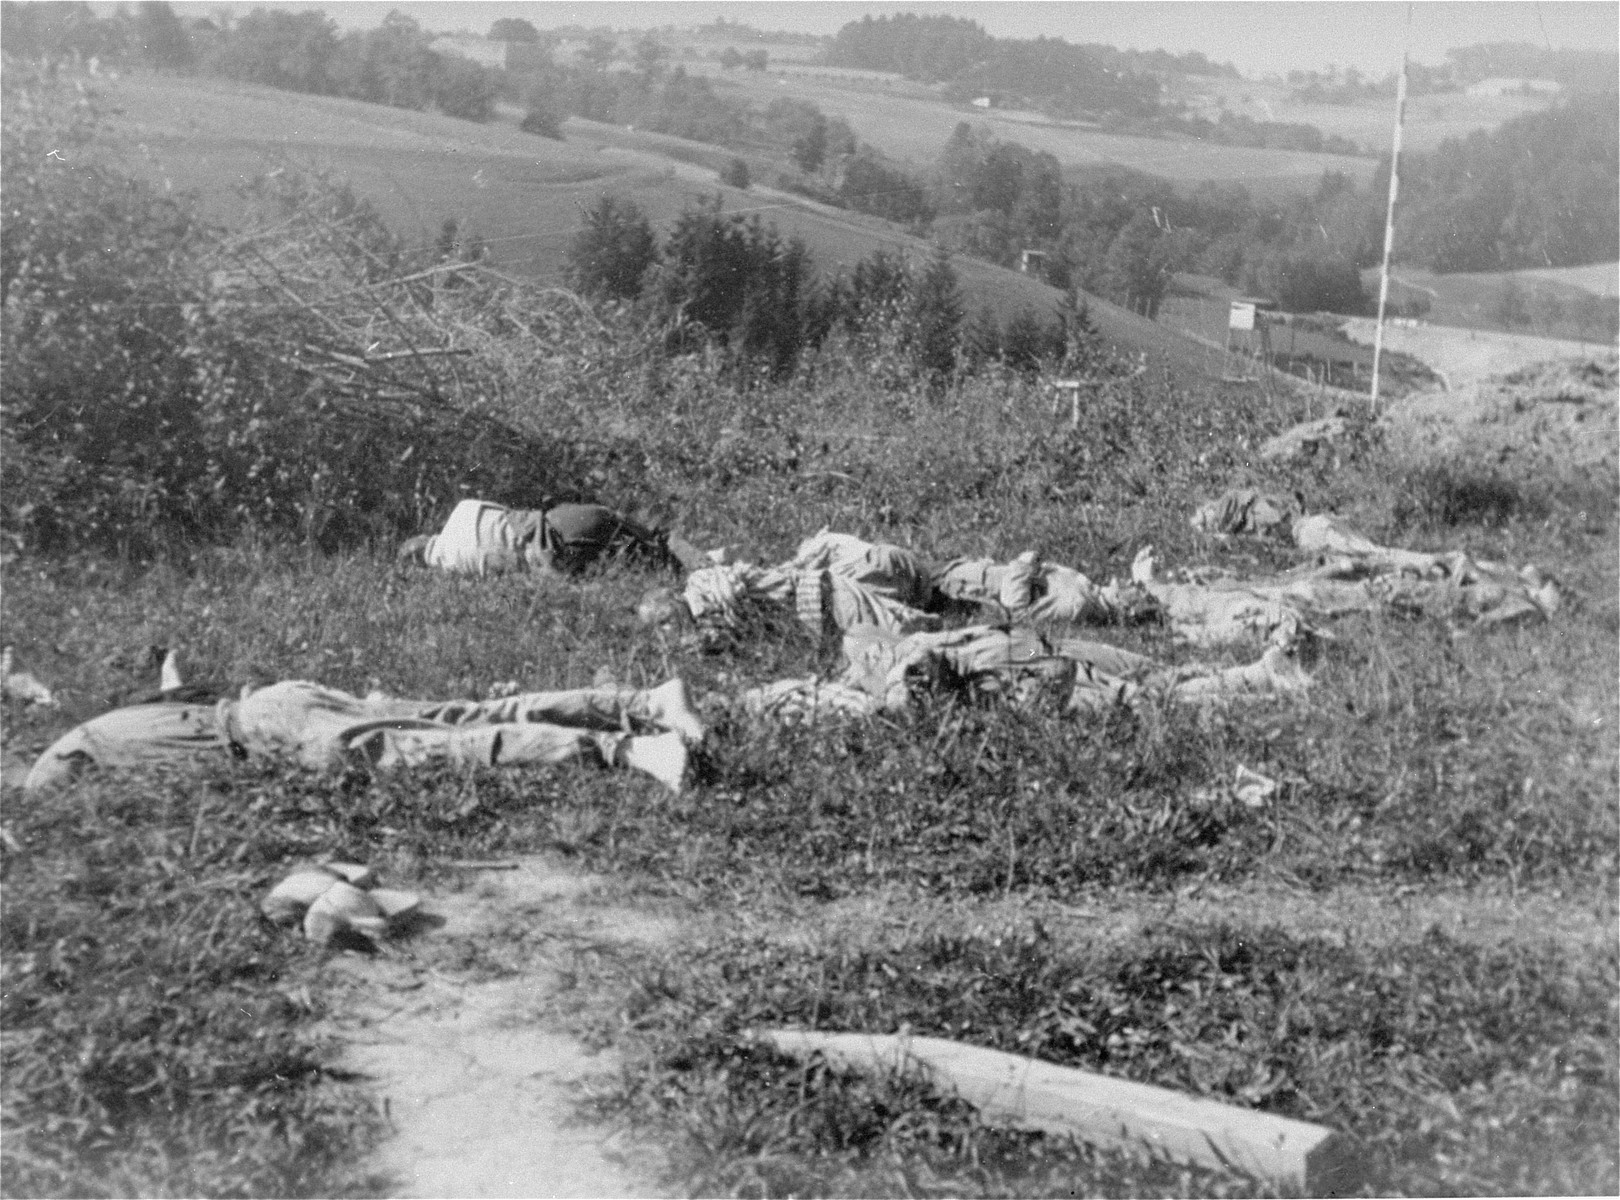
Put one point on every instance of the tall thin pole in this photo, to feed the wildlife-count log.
(1389, 215)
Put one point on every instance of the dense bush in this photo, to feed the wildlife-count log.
(736, 280)
(165, 382)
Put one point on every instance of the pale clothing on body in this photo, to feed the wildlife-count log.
(326, 729)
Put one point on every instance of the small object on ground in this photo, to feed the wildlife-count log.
(336, 897)
(1253, 788)
(20, 685)
(169, 673)
(1023, 1093)
(1303, 441)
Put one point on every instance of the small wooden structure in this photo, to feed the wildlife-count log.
(1024, 1093)
(1248, 340)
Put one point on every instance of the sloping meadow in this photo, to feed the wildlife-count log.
(1420, 762)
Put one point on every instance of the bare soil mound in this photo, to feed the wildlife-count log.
(1559, 413)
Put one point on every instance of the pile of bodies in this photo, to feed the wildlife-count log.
(889, 608)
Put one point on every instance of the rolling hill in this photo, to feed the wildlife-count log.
(521, 194)
(912, 126)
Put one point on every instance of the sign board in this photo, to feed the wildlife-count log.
(1242, 316)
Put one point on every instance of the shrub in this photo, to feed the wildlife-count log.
(542, 119)
(1311, 283)
(1454, 492)
(735, 174)
(934, 317)
(740, 283)
(464, 89)
(613, 250)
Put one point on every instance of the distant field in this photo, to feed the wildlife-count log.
(914, 129)
(1430, 120)
(1601, 279)
(1465, 356)
(1474, 300)
(522, 194)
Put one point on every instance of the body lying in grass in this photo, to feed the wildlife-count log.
(836, 582)
(481, 538)
(885, 669)
(1348, 573)
(327, 729)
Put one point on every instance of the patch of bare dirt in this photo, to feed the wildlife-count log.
(478, 1083)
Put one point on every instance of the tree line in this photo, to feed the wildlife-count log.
(1539, 191)
(735, 283)
(302, 52)
(1543, 190)
(1120, 89)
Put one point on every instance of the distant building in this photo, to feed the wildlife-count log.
(480, 50)
(1503, 85)
(982, 102)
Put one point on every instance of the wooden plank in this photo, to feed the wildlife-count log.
(1024, 1093)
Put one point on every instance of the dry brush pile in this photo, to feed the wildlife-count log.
(309, 373)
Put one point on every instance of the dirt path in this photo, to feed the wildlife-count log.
(478, 1083)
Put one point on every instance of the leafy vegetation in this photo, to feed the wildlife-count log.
(1540, 191)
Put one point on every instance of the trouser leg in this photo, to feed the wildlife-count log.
(487, 746)
(665, 707)
(664, 756)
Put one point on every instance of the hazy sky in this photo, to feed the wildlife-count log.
(1260, 36)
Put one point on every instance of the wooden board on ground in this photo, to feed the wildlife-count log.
(1009, 1089)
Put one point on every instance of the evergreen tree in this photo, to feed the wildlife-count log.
(612, 252)
(934, 317)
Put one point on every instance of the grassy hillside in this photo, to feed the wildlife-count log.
(522, 194)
